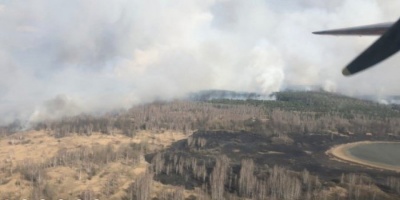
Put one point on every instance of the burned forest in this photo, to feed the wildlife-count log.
(203, 148)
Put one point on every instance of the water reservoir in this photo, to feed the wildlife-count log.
(381, 153)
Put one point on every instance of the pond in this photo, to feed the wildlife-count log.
(383, 153)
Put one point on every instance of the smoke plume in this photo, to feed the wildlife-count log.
(65, 57)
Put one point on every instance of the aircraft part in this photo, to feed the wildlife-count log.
(376, 29)
(384, 47)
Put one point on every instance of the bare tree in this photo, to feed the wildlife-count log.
(247, 180)
(141, 188)
(218, 177)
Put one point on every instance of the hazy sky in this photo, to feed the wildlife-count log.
(64, 57)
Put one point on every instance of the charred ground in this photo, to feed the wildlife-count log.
(287, 141)
(301, 152)
(228, 148)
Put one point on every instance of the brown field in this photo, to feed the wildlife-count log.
(68, 182)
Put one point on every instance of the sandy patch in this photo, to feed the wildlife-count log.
(271, 152)
(275, 152)
(340, 152)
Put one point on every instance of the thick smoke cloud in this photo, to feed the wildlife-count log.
(65, 57)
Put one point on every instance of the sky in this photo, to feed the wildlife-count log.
(60, 58)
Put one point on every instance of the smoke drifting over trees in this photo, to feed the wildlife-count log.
(103, 55)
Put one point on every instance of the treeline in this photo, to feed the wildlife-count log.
(290, 113)
(183, 116)
(186, 116)
(11, 128)
(325, 102)
(283, 121)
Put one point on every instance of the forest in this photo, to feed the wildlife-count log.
(212, 161)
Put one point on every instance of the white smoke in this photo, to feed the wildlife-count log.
(100, 55)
